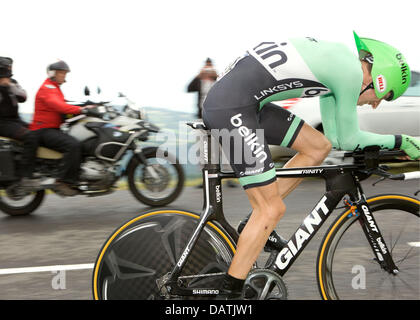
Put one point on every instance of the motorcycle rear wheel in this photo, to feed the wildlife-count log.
(13, 208)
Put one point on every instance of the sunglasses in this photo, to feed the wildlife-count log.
(388, 97)
(370, 86)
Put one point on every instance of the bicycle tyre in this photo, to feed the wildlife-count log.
(147, 247)
(348, 254)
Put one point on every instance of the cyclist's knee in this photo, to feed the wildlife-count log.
(325, 147)
(319, 149)
(273, 210)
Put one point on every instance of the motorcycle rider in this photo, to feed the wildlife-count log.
(50, 106)
(12, 126)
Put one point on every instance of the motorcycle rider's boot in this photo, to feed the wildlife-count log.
(231, 288)
(65, 189)
(275, 241)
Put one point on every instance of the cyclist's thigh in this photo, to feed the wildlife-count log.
(243, 143)
(310, 140)
(281, 127)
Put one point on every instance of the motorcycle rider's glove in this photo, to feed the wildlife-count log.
(411, 146)
(91, 112)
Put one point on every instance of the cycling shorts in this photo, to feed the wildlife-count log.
(245, 131)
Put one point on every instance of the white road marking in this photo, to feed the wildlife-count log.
(47, 268)
(414, 244)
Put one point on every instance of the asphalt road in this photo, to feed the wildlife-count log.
(71, 231)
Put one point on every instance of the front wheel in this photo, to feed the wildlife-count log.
(138, 256)
(158, 182)
(347, 267)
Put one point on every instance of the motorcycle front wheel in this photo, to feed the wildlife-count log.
(157, 182)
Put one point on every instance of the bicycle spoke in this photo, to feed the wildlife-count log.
(398, 237)
(407, 284)
(406, 256)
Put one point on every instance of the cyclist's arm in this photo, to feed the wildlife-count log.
(345, 84)
(327, 108)
(349, 135)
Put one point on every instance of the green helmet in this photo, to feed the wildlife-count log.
(390, 71)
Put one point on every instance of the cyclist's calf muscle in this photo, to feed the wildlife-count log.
(268, 209)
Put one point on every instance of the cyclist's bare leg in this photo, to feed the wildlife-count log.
(268, 208)
(313, 147)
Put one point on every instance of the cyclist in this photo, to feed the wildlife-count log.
(240, 101)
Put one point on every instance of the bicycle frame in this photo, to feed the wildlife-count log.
(340, 180)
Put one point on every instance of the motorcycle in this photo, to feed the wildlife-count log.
(109, 139)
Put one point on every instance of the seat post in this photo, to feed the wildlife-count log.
(212, 184)
(211, 158)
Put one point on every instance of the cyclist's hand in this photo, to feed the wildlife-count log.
(411, 146)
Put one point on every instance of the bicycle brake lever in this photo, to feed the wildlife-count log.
(381, 172)
(417, 192)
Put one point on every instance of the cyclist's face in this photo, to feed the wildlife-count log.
(369, 97)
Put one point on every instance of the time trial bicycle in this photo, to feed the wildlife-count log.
(179, 254)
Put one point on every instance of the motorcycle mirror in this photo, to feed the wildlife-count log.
(87, 91)
(98, 90)
(120, 95)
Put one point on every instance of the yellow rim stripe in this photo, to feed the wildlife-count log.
(232, 247)
(343, 216)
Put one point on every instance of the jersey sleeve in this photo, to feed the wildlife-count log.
(327, 108)
(348, 133)
(339, 112)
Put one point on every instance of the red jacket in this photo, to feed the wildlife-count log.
(50, 106)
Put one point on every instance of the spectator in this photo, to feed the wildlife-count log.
(202, 84)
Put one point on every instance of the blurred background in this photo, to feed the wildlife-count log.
(152, 50)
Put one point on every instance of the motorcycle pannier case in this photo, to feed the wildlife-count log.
(7, 167)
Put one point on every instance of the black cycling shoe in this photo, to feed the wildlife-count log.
(231, 288)
(275, 241)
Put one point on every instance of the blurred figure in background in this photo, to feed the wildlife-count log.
(202, 84)
(12, 126)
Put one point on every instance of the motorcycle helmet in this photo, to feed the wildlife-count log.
(6, 67)
(59, 65)
(390, 71)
